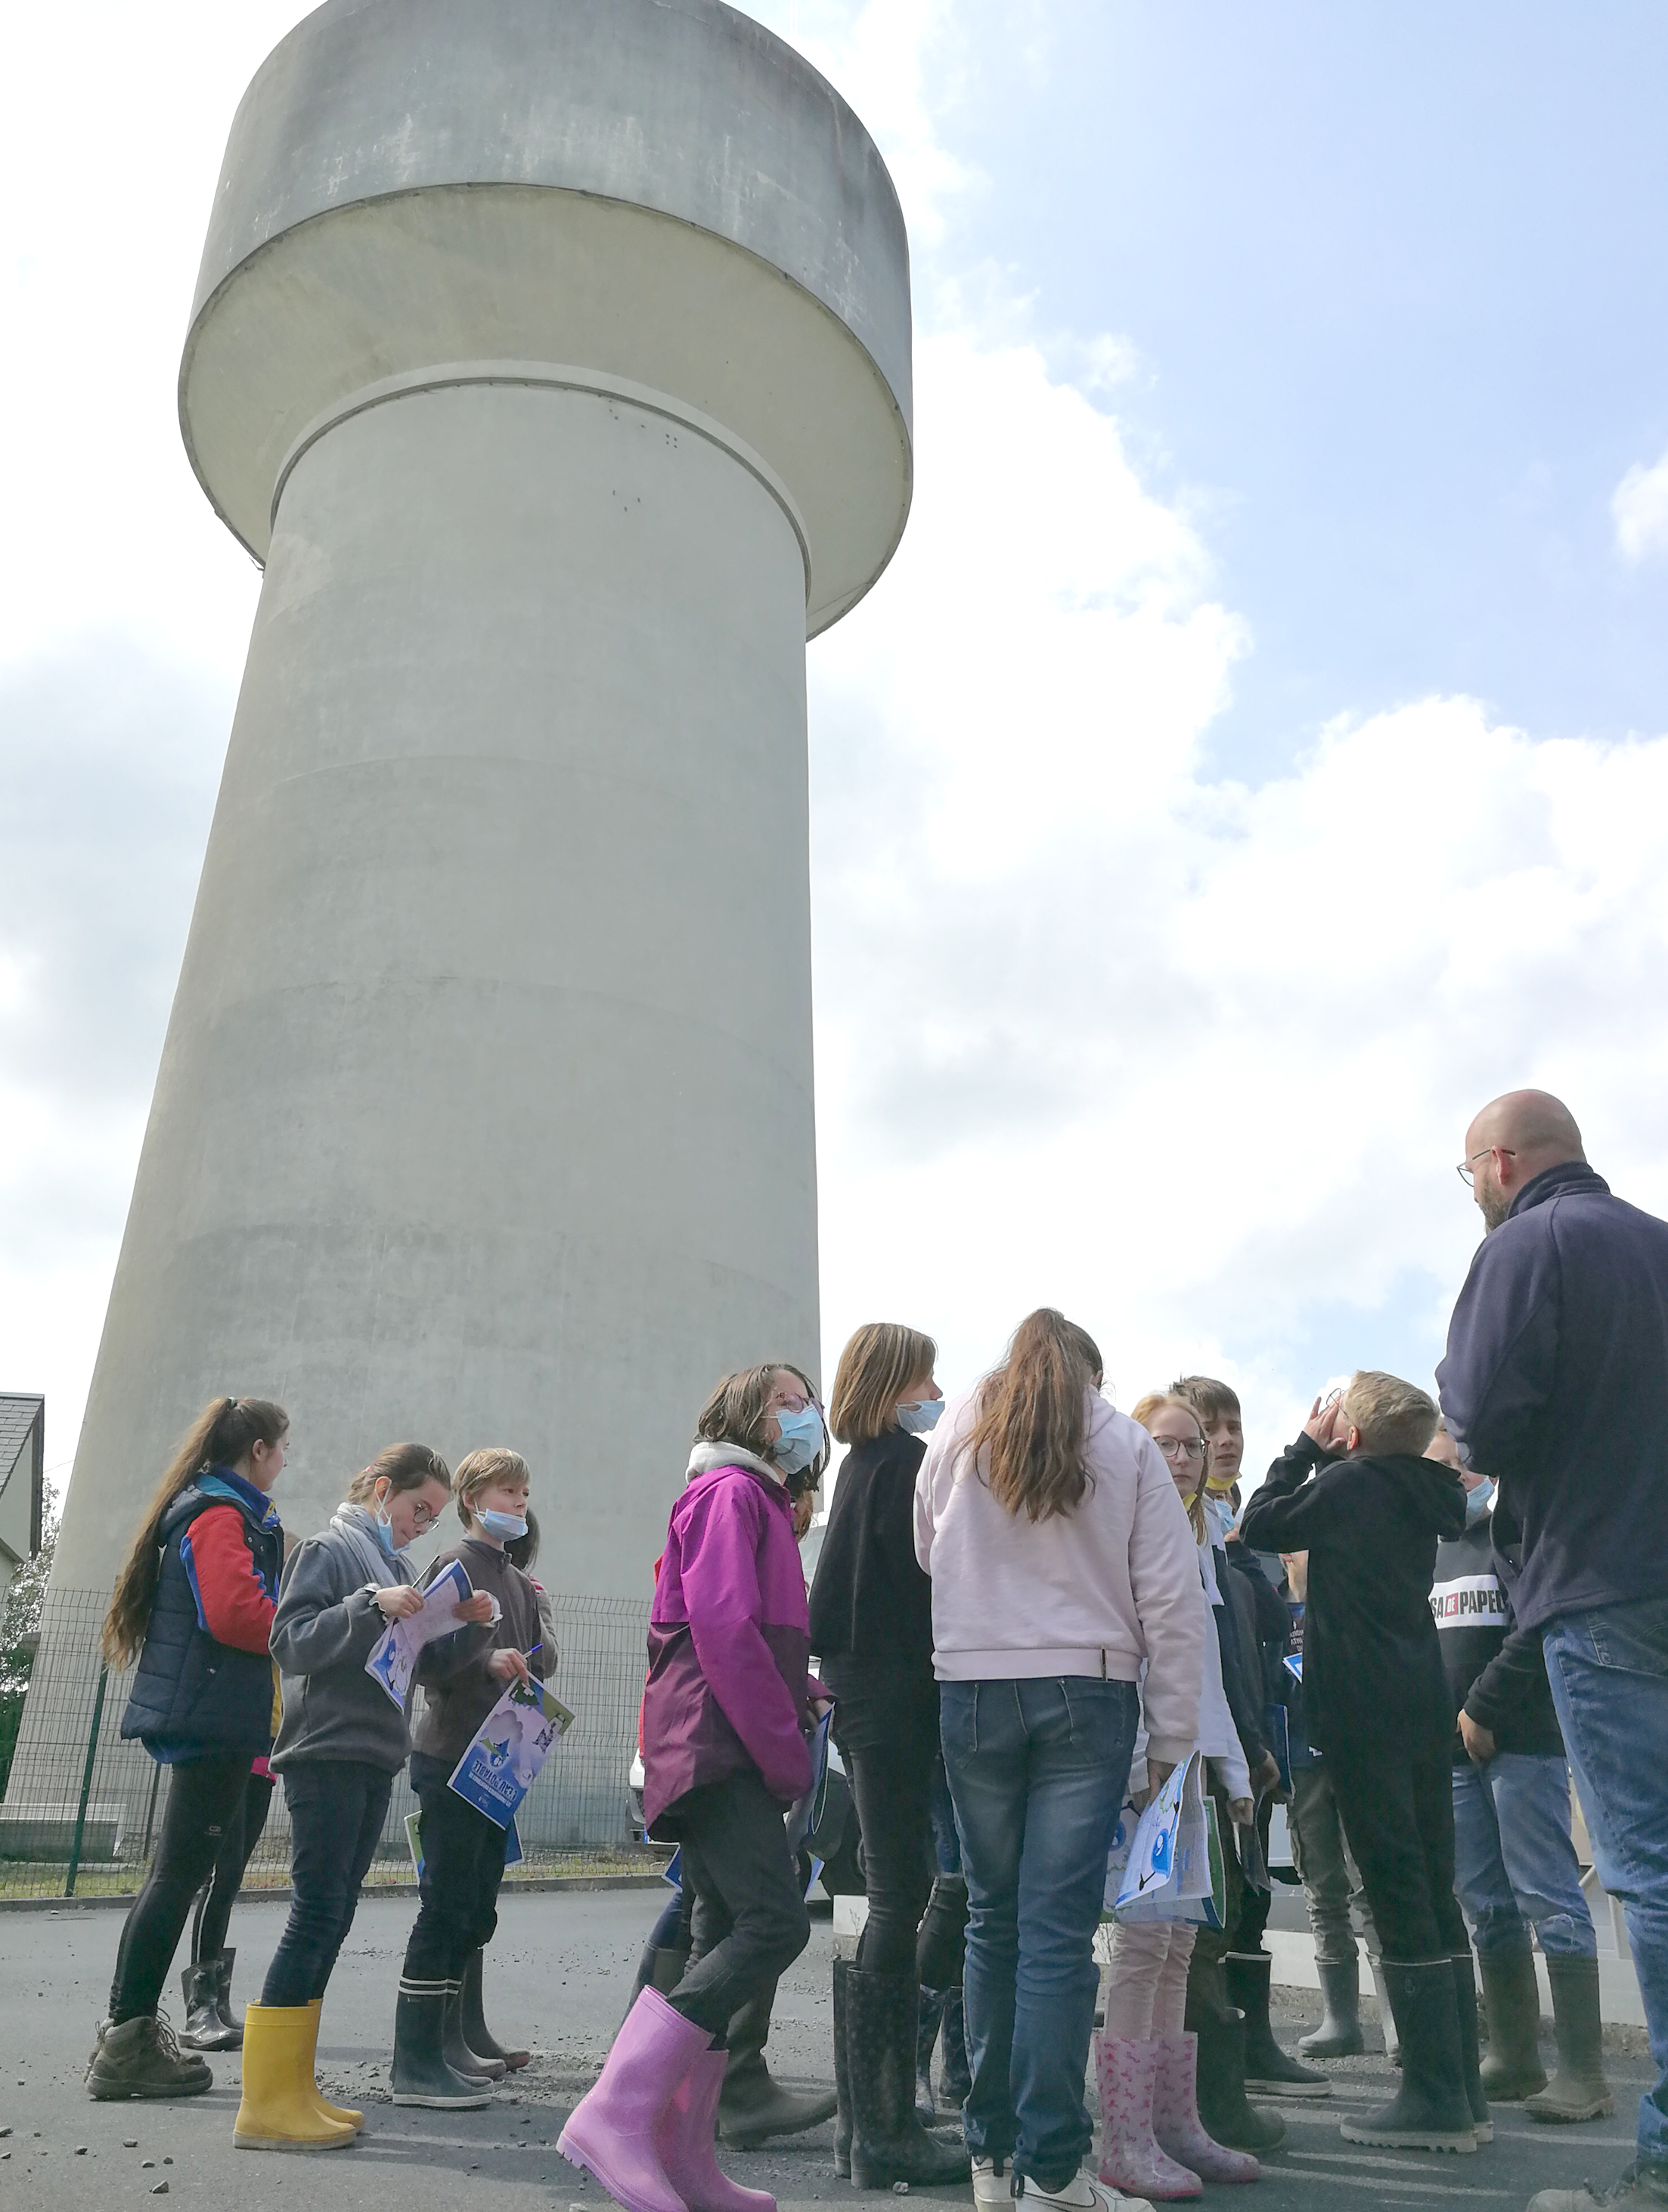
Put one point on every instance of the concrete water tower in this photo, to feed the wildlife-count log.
(552, 356)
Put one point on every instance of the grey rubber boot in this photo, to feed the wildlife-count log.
(204, 2028)
(477, 2035)
(1579, 2090)
(842, 2080)
(1339, 2035)
(1470, 2070)
(420, 2073)
(1219, 2083)
(753, 2107)
(1513, 2069)
(1270, 2072)
(1431, 2110)
(1386, 2010)
(141, 2058)
(455, 2046)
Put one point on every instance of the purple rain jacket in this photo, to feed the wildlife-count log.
(729, 1640)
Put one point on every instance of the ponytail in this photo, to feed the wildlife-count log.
(1032, 1421)
(223, 1433)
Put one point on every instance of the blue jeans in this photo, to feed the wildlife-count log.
(1608, 1672)
(1515, 1867)
(1036, 1770)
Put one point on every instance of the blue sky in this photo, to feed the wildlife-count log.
(1255, 758)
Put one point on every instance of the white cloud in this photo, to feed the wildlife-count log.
(1639, 507)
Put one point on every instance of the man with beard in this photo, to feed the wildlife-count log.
(1556, 1381)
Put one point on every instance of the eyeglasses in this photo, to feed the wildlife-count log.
(422, 1518)
(1181, 1447)
(1467, 1173)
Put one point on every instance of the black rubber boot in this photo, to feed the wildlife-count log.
(141, 2058)
(1220, 2083)
(455, 2047)
(477, 2035)
(930, 2018)
(204, 2030)
(1269, 2071)
(1339, 2035)
(421, 2074)
(1579, 2090)
(888, 2142)
(1431, 2110)
(955, 2075)
(1513, 2069)
(751, 2107)
(842, 2078)
(223, 1997)
(1386, 2011)
(1465, 2000)
(941, 1942)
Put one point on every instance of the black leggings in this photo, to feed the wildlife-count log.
(891, 1784)
(215, 1898)
(1397, 1811)
(204, 1798)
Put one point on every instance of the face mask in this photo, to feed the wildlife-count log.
(385, 1530)
(801, 1439)
(506, 1526)
(1220, 1514)
(915, 1420)
(1477, 1503)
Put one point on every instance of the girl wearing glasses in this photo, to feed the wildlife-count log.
(1154, 2142)
(341, 1743)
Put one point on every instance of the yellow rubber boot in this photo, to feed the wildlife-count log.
(355, 2120)
(278, 2111)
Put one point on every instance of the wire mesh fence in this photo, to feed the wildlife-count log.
(82, 1809)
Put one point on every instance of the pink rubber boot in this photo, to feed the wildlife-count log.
(683, 2140)
(611, 2133)
(1130, 2159)
(1176, 2121)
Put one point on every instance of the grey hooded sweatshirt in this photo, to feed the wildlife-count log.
(326, 1623)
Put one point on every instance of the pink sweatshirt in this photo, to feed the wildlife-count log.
(1094, 1592)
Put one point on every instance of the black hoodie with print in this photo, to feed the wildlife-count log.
(1496, 1670)
(1372, 1660)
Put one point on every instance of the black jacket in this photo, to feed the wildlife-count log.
(1496, 1670)
(1372, 1664)
(1242, 1663)
(1556, 1381)
(871, 1605)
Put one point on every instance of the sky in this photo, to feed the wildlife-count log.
(1255, 759)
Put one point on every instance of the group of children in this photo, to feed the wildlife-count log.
(252, 1657)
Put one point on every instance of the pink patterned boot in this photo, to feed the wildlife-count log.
(683, 2139)
(1130, 2158)
(1175, 2120)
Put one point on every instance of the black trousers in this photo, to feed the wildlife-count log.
(463, 1867)
(215, 1899)
(337, 1809)
(891, 1785)
(749, 1920)
(1397, 1806)
(204, 1798)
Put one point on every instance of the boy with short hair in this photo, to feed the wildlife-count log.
(1355, 1492)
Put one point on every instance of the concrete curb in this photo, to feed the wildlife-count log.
(124, 1899)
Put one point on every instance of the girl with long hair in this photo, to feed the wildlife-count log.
(1152, 2140)
(872, 1629)
(341, 1742)
(1061, 1561)
(725, 1718)
(194, 1604)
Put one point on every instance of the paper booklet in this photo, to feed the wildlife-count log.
(394, 1655)
(512, 1743)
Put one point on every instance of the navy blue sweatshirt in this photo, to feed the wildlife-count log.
(1556, 1381)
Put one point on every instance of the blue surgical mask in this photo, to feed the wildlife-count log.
(915, 1420)
(802, 1438)
(385, 1531)
(1478, 1501)
(505, 1526)
(1219, 1512)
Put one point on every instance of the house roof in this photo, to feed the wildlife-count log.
(18, 1415)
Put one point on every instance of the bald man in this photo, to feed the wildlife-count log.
(1555, 1383)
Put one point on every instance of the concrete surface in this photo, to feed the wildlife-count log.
(555, 357)
(557, 1974)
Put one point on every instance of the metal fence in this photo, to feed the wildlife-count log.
(82, 1809)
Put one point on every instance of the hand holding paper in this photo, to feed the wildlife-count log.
(394, 1656)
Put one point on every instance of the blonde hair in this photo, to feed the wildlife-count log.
(407, 1467)
(492, 1463)
(1154, 1402)
(223, 1433)
(1390, 1415)
(1031, 1421)
(880, 1362)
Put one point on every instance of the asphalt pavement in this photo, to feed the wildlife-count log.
(556, 1978)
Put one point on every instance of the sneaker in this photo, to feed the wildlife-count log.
(1642, 2188)
(141, 2058)
(1082, 2194)
(992, 2184)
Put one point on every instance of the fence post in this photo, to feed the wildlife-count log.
(86, 1785)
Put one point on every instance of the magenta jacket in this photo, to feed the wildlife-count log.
(729, 1640)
